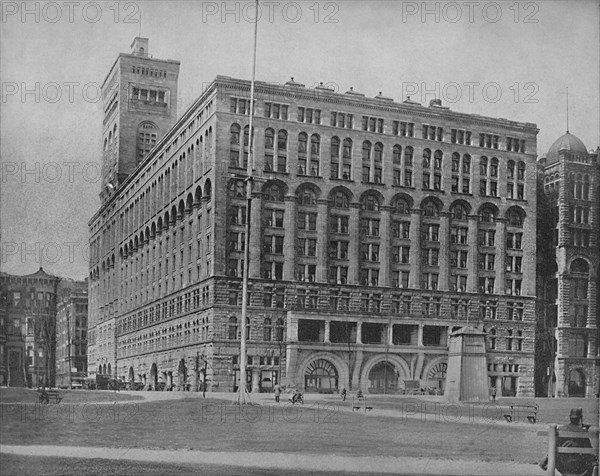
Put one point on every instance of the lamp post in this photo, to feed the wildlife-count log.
(243, 396)
(68, 313)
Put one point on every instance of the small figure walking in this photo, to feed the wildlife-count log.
(493, 394)
(343, 394)
(277, 393)
(359, 394)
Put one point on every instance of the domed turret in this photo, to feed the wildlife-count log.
(567, 142)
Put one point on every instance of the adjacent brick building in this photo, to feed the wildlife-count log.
(377, 228)
(568, 266)
(27, 329)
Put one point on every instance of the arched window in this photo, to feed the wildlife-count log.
(269, 139)
(437, 159)
(335, 158)
(274, 193)
(232, 328)
(282, 141)
(459, 212)
(401, 206)
(347, 149)
(366, 151)
(397, 164)
(431, 209)
(494, 167)
(514, 217)
(455, 162)
(483, 166)
(426, 158)
(397, 155)
(147, 134)
(302, 143)
(315, 151)
(580, 266)
(315, 144)
(378, 152)
(246, 136)
(370, 203)
(466, 164)
(308, 197)
(366, 161)
(510, 170)
(234, 134)
(521, 171)
(408, 156)
(335, 147)
(487, 215)
(341, 200)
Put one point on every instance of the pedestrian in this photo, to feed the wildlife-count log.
(277, 393)
(569, 462)
(493, 394)
(343, 394)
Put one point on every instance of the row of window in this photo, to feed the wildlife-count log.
(185, 303)
(375, 124)
(276, 160)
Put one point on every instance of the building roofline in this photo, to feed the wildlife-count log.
(319, 94)
(129, 55)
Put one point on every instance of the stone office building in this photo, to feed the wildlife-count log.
(71, 334)
(568, 267)
(377, 228)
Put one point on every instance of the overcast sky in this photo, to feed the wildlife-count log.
(520, 57)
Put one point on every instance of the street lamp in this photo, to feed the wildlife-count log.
(242, 391)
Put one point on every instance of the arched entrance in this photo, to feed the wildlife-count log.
(437, 377)
(383, 378)
(131, 375)
(182, 375)
(153, 376)
(109, 370)
(321, 376)
(577, 383)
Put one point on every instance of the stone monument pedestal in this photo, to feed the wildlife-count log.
(466, 376)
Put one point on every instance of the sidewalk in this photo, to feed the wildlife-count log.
(287, 461)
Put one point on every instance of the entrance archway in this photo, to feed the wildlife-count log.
(321, 376)
(109, 370)
(577, 383)
(437, 374)
(383, 378)
(131, 375)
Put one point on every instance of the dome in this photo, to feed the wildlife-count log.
(569, 142)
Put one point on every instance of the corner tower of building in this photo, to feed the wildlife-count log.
(139, 97)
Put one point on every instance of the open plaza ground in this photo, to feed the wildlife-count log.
(99, 432)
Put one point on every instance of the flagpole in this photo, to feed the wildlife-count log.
(243, 396)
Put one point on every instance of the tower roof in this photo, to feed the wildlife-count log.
(567, 142)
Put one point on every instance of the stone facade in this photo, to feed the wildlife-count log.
(377, 228)
(71, 335)
(569, 263)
